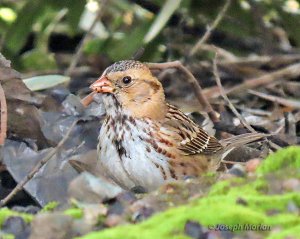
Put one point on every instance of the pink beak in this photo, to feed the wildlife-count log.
(102, 85)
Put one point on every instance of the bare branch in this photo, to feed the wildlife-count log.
(295, 104)
(228, 56)
(192, 80)
(289, 72)
(223, 93)
(3, 123)
(231, 106)
(88, 99)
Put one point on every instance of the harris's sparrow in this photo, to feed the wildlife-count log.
(144, 141)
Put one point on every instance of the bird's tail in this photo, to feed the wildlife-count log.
(240, 140)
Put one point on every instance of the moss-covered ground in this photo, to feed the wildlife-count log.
(259, 203)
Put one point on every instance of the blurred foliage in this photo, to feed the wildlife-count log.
(166, 29)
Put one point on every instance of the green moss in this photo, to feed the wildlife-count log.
(232, 202)
(291, 232)
(6, 213)
(76, 213)
(284, 158)
(208, 211)
(6, 236)
(50, 206)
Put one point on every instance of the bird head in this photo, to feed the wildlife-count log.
(134, 87)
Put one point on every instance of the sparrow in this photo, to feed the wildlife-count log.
(145, 141)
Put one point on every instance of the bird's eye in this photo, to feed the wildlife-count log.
(126, 80)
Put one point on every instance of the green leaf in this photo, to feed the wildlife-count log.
(7, 14)
(19, 30)
(44, 82)
(161, 20)
(290, 24)
(76, 8)
(124, 48)
(94, 46)
(37, 59)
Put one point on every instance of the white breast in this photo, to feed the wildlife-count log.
(127, 156)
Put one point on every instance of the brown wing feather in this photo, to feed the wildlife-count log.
(192, 139)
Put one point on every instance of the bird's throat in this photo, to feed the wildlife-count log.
(150, 109)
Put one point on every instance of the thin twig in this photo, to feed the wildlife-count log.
(32, 173)
(85, 39)
(88, 99)
(231, 106)
(192, 80)
(232, 162)
(3, 123)
(289, 72)
(286, 73)
(258, 61)
(223, 93)
(228, 56)
(295, 104)
(209, 30)
(138, 54)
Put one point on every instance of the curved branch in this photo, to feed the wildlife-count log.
(192, 80)
(3, 123)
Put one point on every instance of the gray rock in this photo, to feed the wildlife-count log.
(91, 189)
(16, 226)
(51, 226)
